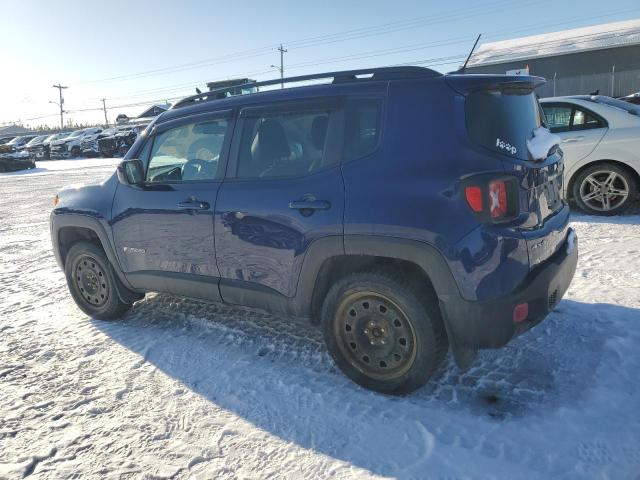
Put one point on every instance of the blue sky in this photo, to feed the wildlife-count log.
(85, 44)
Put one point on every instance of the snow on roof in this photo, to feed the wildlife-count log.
(596, 37)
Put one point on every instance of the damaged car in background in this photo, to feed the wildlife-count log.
(70, 146)
(121, 140)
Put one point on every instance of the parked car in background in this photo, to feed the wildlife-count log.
(633, 98)
(70, 146)
(15, 144)
(601, 142)
(35, 145)
(383, 205)
(90, 143)
(45, 153)
(119, 142)
(5, 140)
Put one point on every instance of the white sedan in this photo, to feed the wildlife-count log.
(601, 143)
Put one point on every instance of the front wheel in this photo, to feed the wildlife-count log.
(92, 282)
(604, 189)
(381, 333)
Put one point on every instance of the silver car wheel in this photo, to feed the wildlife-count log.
(604, 190)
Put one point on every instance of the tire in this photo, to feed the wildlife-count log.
(92, 282)
(75, 152)
(594, 187)
(2, 168)
(381, 333)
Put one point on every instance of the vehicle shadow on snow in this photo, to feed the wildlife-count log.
(276, 374)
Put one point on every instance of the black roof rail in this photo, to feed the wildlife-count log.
(381, 73)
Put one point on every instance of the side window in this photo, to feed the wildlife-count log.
(558, 118)
(187, 153)
(583, 120)
(362, 127)
(283, 145)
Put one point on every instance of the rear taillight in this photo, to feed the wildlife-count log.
(494, 200)
(497, 199)
(474, 198)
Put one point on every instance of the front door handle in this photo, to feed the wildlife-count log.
(193, 204)
(310, 205)
(573, 139)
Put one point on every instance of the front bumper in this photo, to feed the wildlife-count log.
(490, 324)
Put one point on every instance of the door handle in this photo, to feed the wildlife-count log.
(310, 205)
(573, 139)
(193, 204)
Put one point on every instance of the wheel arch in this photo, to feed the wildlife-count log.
(68, 229)
(327, 261)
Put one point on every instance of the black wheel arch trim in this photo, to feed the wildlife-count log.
(61, 220)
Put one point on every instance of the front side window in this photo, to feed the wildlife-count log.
(187, 153)
(283, 145)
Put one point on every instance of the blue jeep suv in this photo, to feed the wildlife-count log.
(405, 211)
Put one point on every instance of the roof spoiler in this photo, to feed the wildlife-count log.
(467, 83)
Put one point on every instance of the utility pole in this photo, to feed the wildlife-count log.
(60, 87)
(281, 67)
(104, 107)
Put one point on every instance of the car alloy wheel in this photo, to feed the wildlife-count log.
(375, 335)
(604, 190)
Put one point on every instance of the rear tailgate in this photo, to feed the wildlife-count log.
(504, 117)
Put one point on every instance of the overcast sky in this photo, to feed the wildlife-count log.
(133, 52)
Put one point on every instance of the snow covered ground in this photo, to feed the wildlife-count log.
(182, 389)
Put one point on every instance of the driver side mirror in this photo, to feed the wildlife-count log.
(131, 172)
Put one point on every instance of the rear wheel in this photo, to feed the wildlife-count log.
(381, 333)
(75, 152)
(92, 282)
(604, 189)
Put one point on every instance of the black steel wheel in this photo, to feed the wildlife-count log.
(375, 335)
(382, 332)
(92, 282)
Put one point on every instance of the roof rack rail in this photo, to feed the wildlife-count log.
(381, 73)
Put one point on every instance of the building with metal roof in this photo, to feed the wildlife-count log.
(603, 58)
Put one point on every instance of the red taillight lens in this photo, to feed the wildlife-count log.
(474, 198)
(520, 312)
(497, 199)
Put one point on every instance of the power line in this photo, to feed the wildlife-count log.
(381, 29)
(375, 53)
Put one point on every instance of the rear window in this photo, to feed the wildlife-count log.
(503, 120)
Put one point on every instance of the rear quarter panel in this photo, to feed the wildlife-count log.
(410, 188)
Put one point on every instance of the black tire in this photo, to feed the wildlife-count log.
(92, 282)
(2, 168)
(603, 200)
(397, 359)
(75, 152)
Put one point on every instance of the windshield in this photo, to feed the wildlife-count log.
(36, 140)
(76, 134)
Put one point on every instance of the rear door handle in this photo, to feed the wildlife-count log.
(193, 204)
(310, 205)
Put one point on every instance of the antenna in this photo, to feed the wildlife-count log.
(470, 53)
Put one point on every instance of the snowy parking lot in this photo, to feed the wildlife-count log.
(183, 389)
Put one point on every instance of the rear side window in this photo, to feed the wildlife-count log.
(503, 120)
(284, 144)
(362, 127)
